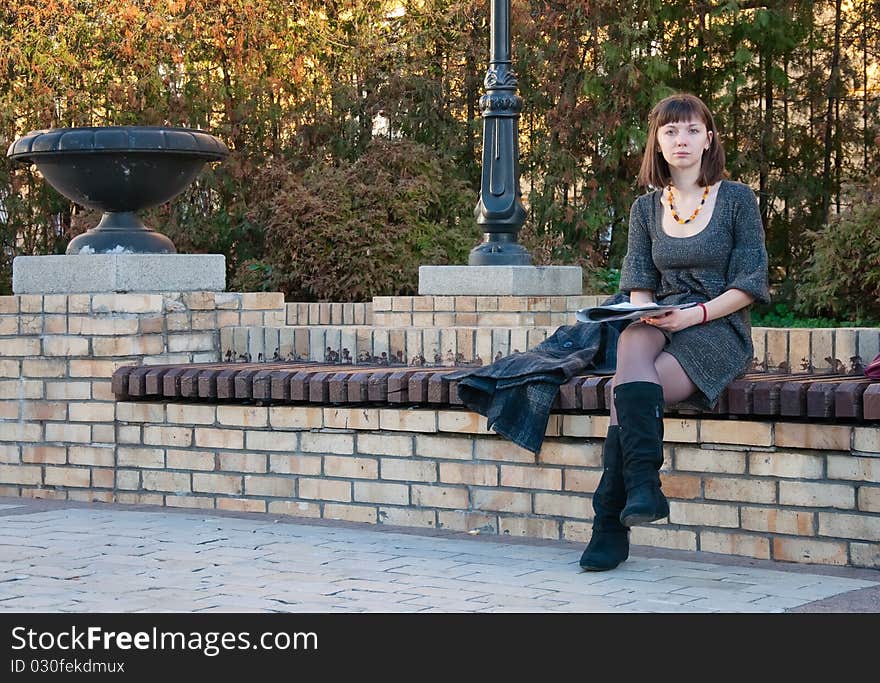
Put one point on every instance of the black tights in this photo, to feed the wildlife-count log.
(641, 358)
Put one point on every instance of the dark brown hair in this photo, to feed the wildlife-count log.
(675, 109)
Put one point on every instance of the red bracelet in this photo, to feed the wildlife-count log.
(705, 314)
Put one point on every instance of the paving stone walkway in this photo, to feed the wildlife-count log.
(77, 557)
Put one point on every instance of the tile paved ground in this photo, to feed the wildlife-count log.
(77, 557)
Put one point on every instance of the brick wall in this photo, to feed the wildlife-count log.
(786, 491)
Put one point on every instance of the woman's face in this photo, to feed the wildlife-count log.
(682, 143)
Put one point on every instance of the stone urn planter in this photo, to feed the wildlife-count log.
(119, 170)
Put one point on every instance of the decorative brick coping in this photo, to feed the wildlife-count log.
(819, 397)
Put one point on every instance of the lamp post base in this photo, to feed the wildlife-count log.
(499, 249)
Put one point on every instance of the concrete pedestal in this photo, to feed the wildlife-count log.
(80, 273)
(500, 280)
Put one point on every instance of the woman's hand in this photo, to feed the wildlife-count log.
(676, 320)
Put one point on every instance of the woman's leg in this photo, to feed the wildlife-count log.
(640, 358)
(646, 379)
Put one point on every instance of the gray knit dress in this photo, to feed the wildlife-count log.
(728, 253)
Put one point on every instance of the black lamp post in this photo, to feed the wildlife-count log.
(499, 211)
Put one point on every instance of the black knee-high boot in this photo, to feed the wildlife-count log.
(640, 416)
(609, 544)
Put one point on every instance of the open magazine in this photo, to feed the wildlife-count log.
(625, 311)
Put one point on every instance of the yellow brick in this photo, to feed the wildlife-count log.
(735, 432)
(243, 416)
(788, 465)
(859, 526)
(744, 545)
(65, 346)
(9, 325)
(219, 438)
(374, 492)
(10, 454)
(190, 460)
(295, 464)
(335, 443)
(140, 498)
(865, 555)
(469, 473)
(140, 457)
(262, 300)
(585, 480)
(529, 527)
(503, 501)
(127, 303)
(869, 499)
(33, 367)
(562, 505)
(92, 455)
(585, 425)
(461, 422)
(297, 508)
(824, 437)
(243, 462)
(663, 537)
(21, 389)
(439, 496)
(128, 434)
(323, 489)
(9, 304)
(103, 478)
(350, 418)
(86, 325)
(740, 490)
(103, 391)
(473, 522)
(40, 410)
(191, 502)
(182, 413)
(21, 474)
(531, 477)
(94, 368)
(44, 454)
(394, 419)
(774, 520)
(216, 483)
(814, 552)
(23, 432)
(274, 487)
(173, 482)
(681, 485)
(141, 345)
(93, 412)
(351, 468)
(190, 342)
(496, 449)
(67, 476)
(866, 439)
(677, 430)
(167, 436)
(777, 347)
(49, 494)
(202, 301)
(103, 434)
(706, 460)
(12, 368)
(448, 447)
(296, 417)
(68, 390)
(703, 514)
(407, 470)
(241, 505)
(128, 479)
(385, 444)
(407, 517)
(854, 468)
(578, 454)
(350, 513)
(31, 303)
(816, 494)
(140, 412)
(10, 410)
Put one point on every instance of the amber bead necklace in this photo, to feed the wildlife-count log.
(696, 211)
